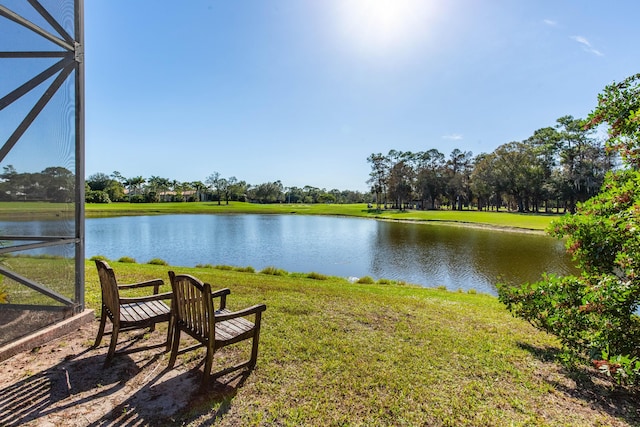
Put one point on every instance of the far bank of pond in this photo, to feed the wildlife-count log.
(429, 254)
(500, 220)
(457, 250)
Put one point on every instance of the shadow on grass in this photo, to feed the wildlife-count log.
(595, 390)
(77, 390)
(45, 393)
(176, 400)
(220, 394)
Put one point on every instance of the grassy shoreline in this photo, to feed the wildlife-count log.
(339, 353)
(334, 352)
(502, 220)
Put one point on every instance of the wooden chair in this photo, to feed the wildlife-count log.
(194, 314)
(130, 313)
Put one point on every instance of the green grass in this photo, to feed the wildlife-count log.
(335, 353)
(495, 219)
(56, 273)
(539, 222)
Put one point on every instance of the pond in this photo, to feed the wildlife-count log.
(424, 254)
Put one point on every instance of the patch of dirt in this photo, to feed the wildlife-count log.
(64, 383)
(18, 322)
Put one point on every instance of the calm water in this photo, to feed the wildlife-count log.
(429, 255)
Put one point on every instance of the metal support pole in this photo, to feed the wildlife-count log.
(80, 152)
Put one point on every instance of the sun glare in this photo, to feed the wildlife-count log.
(380, 27)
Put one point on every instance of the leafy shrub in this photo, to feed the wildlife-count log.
(366, 280)
(99, 257)
(247, 269)
(273, 271)
(158, 261)
(204, 266)
(127, 259)
(224, 267)
(138, 198)
(595, 315)
(385, 282)
(97, 196)
(317, 276)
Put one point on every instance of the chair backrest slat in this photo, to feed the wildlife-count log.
(194, 306)
(109, 288)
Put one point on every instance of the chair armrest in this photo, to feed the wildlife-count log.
(222, 294)
(155, 297)
(258, 308)
(156, 283)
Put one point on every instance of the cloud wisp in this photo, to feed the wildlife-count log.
(453, 137)
(586, 45)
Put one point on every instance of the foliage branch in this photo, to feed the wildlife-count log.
(595, 315)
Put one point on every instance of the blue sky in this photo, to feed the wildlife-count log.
(304, 91)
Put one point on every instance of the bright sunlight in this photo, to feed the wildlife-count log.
(382, 27)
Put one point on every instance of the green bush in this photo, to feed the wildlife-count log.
(247, 269)
(204, 266)
(137, 199)
(99, 257)
(366, 280)
(158, 261)
(273, 271)
(127, 259)
(96, 196)
(317, 276)
(595, 315)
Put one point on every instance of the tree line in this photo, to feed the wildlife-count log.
(104, 188)
(556, 167)
(53, 184)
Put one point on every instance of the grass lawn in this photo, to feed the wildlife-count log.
(502, 219)
(335, 353)
(496, 219)
(342, 354)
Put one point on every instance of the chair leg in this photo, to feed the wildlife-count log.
(169, 334)
(103, 321)
(254, 350)
(256, 340)
(112, 345)
(175, 344)
(207, 368)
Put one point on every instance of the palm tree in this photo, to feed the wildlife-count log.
(135, 184)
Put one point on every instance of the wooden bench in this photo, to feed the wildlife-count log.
(195, 315)
(130, 313)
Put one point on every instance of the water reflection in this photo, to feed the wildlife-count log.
(464, 258)
(426, 254)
